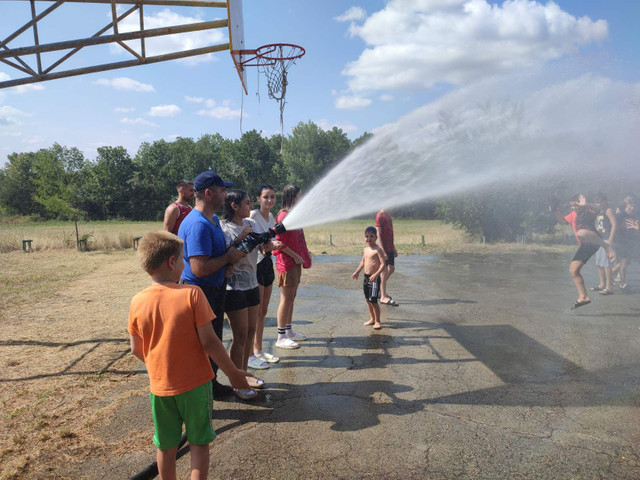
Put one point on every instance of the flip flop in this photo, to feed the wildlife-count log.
(580, 304)
(391, 302)
(604, 291)
(597, 289)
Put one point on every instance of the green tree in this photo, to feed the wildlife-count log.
(110, 183)
(310, 152)
(17, 185)
(56, 181)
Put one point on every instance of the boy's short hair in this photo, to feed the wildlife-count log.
(371, 229)
(155, 248)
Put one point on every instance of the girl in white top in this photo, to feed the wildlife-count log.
(243, 297)
(263, 220)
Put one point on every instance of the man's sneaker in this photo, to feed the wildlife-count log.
(286, 343)
(267, 357)
(257, 363)
(221, 391)
(298, 337)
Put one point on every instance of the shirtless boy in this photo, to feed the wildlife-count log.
(373, 264)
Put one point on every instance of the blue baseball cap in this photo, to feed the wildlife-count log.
(208, 179)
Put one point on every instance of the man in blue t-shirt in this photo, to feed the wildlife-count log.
(205, 252)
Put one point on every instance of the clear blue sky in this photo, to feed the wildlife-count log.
(367, 64)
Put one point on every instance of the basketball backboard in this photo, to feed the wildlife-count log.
(236, 39)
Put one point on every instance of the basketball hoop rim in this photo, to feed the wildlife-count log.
(264, 54)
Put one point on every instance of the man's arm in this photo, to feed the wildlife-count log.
(379, 240)
(614, 224)
(135, 343)
(215, 349)
(559, 217)
(171, 215)
(203, 265)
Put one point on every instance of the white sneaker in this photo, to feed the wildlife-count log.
(298, 337)
(267, 357)
(286, 343)
(257, 363)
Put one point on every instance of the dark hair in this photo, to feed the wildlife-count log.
(576, 197)
(600, 198)
(264, 186)
(289, 194)
(371, 229)
(233, 196)
(183, 183)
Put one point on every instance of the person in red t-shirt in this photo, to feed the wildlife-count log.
(290, 260)
(175, 213)
(384, 228)
(583, 220)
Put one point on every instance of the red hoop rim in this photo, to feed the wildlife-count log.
(264, 53)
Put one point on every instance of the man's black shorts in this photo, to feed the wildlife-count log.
(585, 252)
(391, 258)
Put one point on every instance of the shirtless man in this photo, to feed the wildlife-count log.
(175, 213)
(373, 263)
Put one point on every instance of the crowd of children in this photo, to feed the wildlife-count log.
(612, 234)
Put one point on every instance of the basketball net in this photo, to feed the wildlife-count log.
(274, 65)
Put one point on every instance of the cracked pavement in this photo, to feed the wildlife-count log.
(482, 372)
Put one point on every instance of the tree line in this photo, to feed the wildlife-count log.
(60, 183)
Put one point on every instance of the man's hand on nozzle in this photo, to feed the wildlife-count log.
(234, 255)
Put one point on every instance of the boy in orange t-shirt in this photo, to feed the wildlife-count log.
(170, 331)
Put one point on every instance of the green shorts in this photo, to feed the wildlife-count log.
(193, 408)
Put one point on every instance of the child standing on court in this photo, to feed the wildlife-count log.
(373, 264)
(170, 331)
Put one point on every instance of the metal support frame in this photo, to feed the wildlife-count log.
(14, 56)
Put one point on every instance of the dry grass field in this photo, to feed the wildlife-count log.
(64, 364)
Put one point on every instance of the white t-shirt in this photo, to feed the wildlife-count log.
(261, 225)
(244, 272)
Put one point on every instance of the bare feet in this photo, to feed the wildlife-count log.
(370, 322)
(377, 326)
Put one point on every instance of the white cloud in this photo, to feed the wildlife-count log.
(164, 111)
(385, 97)
(124, 83)
(171, 43)
(11, 116)
(33, 141)
(123, 109)
(32, 87)
(137, 121)
(354, 14)
(415, 44)
(326, 125)
(352, 102)
(194, 99)
(223, 112)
